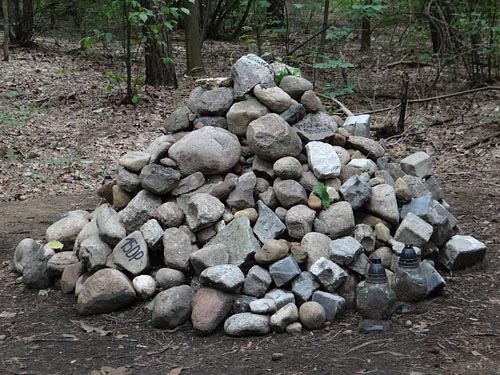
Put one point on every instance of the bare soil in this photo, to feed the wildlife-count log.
(40, 331)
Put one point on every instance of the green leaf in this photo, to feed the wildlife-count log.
(108, 37)
(135, 99)
(333, 64)
(143, 17)
(321, 192)
(56, 245)
(184, 10)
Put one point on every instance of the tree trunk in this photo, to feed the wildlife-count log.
(322, 41)
(366, 34)
(5, 10)
(21, 22)
(193, 40)
(127, 34)
(277, 10)
(440, 24)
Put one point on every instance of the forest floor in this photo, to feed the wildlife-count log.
(61, 132)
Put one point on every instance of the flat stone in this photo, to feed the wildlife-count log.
(272, 97)
(283, 317)
(239, 240)
(360, 265)
(413, 230)
(315, 245)
(178, 120)
(329, 274)
(416, 186)
(263, 306)
(358, 125)
(272, 251)
(304, 285)
(59, 261)
(418, 164)
(169, 277)
(214, 102)
(281, 297)
(177, 249)
(372, 149)
(243, 195)
(356, 192)
(188, 184)
(345, 250)
(172, 307)
(67, 229)
(383, 204)
(226, 277)
(243, 113)
(109, 223)
(290, 193)
(247, 324)
(364, 165)
(203, 210)
(299, 221)
(271, 138)
(335, 221)
(210, 308)
(316, 127)
(268, 225)
(283, 271)
(159, 179)
(94, 253)
(105, 291)
(294, 114)
(152, 232)
(323, 160)
(249, 71)
(420, 206)
(69, 277)
(132, 253)
(207, 150)
(332, 303)
(139, 210)
(134, 161)
(257, 282)
(462, 252)
(208, 256)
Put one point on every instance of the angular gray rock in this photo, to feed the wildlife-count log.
(128, 181)
(418, 164)
(364, 234)
(435, 282)
(329, 274)
(358, 125)
(289, 193)
(413, 230)
(132, 253)
(172, 307)
(67, 229)
(295, 86)
(139, 210)
(203, 210)
(360, 265)
(323, 160)
(249, 71)
(226, 277)
(243, 113)
(356, 192)
(284, 270)
(243, 194)
(105, 291)
(109, 223)
(283, 317)
(94, 253)
(152, 232)
(159, 179)
(239, 240)
(281, 297)
(420, 206)
(179, 120)
(263, 306)
(345, 250)
(316, 127)
(215, 102)
(268, 225)
(383, 204)
(257, 281)
(188, 184)
(207, 150)
(462, 252)
(299, 221)
(335, 221)
(176, 249)
(332, 303)
(272, 97)
(247, 324)
(294, 114)
(304, 285)
(271, 138)
(134, 161)
(208, 256)
(169, 214)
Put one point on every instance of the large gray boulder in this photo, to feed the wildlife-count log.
(215, 102)
(249, 71)
(461, 252)
(243, 113)
(247, 324)
(335, 221)
(132, 253)
(105, 291)
(271, 138)
(159, 179)
(208, 150)
(139, 210)
(172, 307)
(67, 229)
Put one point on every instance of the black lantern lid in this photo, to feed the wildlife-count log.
(408, 257)
(376, 272)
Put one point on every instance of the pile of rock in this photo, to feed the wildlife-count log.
(217, 220)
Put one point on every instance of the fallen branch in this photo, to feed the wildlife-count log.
(407, 62)
(479, 141)
(363, 345)
(342, 106)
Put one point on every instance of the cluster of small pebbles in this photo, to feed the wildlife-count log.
(216, 222)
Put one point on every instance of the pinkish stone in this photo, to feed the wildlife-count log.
(210, 308)
(69, 277)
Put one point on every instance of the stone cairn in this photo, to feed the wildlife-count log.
(216, 221)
